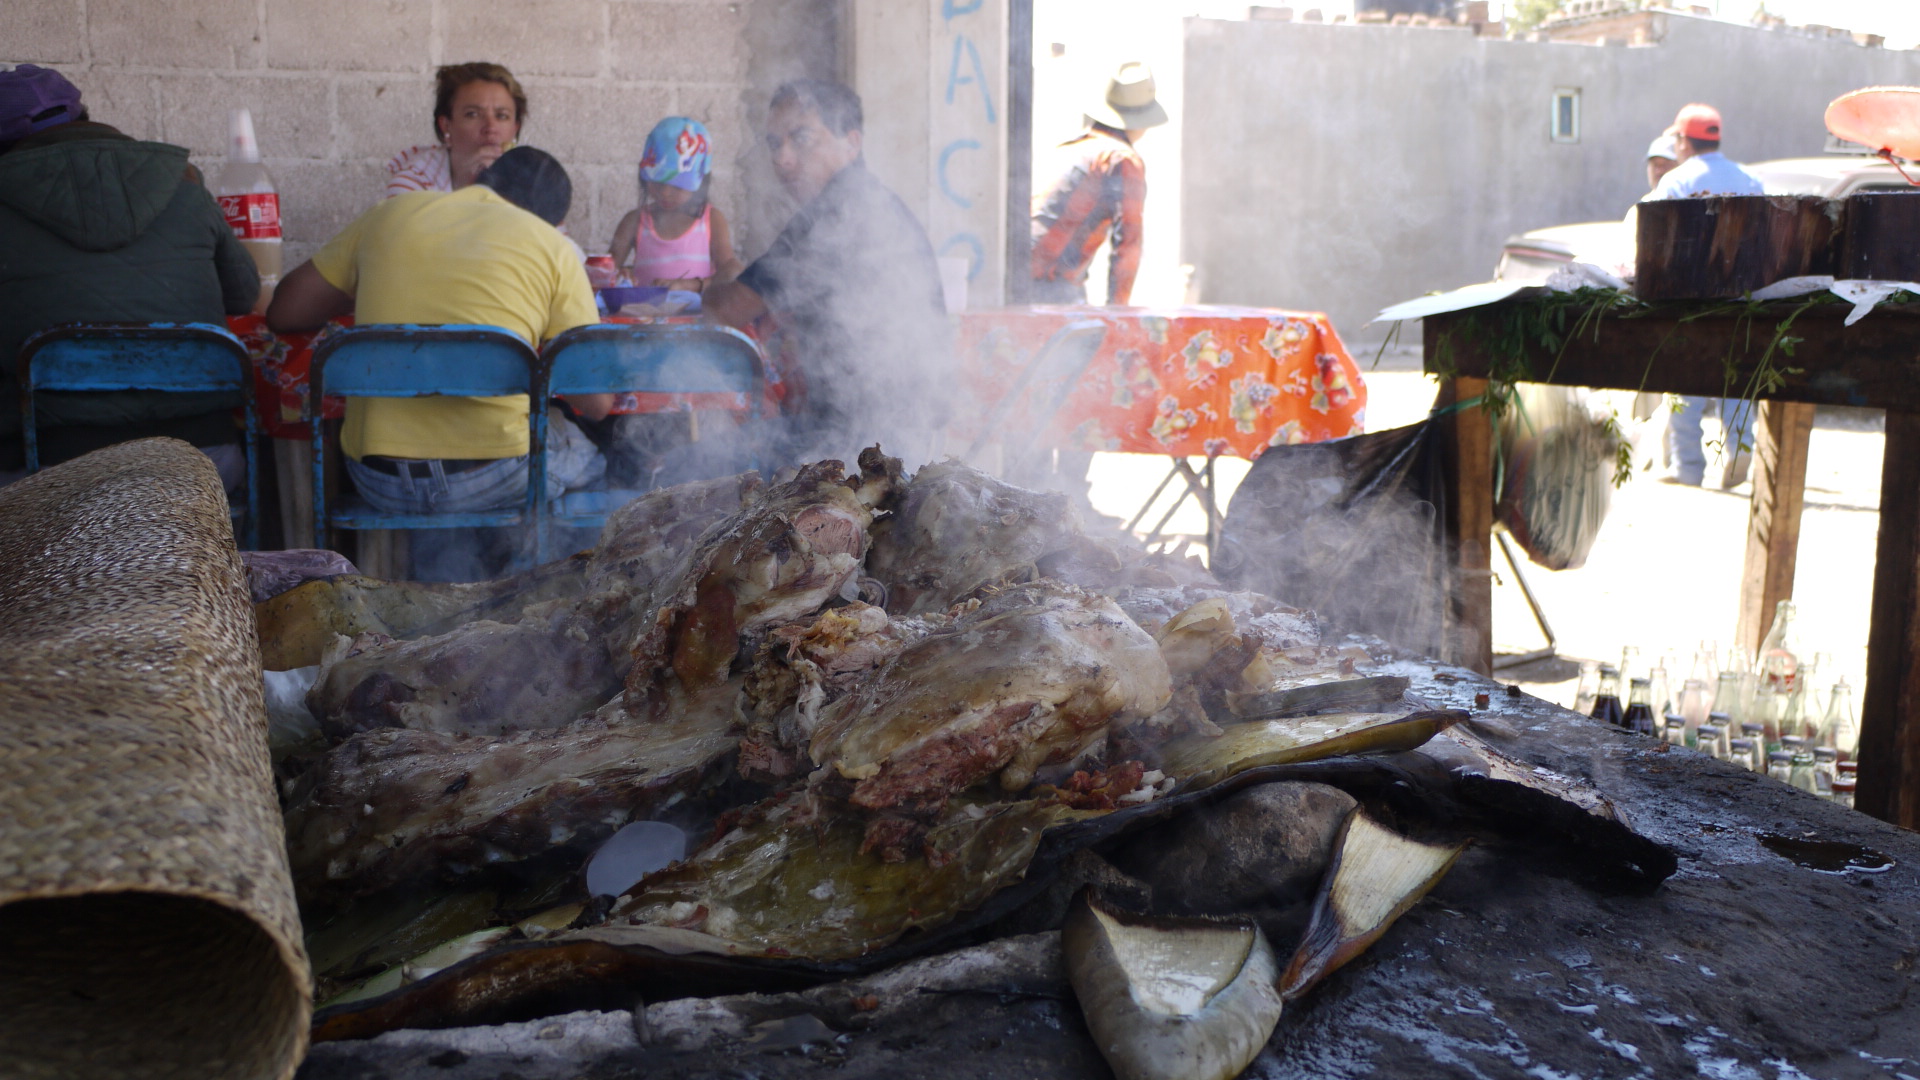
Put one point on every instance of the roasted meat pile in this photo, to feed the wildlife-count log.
(868, 645)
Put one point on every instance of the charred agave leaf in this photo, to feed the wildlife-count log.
(1171, 998)
(395, 807)
(1200, 761)
(1377, 876)
(788, 896)
(791, 884)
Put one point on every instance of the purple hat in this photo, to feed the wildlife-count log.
(677, 154)
(33, 98)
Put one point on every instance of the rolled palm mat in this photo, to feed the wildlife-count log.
(147, 920)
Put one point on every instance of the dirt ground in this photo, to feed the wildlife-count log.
(1664, 574)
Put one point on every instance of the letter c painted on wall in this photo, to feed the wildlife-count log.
(946, 155)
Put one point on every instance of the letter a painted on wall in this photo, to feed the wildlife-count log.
(955, 80)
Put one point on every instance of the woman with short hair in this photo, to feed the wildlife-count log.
(477, 112)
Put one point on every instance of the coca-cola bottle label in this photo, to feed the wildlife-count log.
(252, 217)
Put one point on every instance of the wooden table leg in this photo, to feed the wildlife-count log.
(1781, 432)
(1890, 713)
(1468, 441)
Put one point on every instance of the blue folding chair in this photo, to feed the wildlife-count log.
(670, 358)
(171, 357)
(403, 361)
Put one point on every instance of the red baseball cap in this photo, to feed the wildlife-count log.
(1698, 122)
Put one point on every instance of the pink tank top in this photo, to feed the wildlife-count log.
(689, 255)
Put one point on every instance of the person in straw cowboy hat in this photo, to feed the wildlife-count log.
(1098, 191)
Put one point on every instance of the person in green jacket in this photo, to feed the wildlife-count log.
(98, 227)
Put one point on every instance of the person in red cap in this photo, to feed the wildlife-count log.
(1702, 171)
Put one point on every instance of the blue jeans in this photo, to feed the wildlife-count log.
(1683, 434)
(470, 554)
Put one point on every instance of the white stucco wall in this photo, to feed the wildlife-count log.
(1342, 167)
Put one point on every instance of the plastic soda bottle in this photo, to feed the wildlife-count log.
(250, 203)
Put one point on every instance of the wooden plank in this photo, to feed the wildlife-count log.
(1890, 713)
(1730, 245)
(1781, 433)
(1874, 363)
(1468, 446)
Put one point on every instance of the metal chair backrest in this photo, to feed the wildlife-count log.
(659, 358)
(1053, 373)
(169, 357)
(405, 360)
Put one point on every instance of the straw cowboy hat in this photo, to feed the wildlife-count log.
(1130, 102)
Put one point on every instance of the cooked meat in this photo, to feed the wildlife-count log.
(793, 547)
(391, 807)
(1034, 674)
(959, 530)
(484, 678)
(562, 658)
(801, 667)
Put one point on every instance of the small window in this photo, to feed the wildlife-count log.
(1566, 115)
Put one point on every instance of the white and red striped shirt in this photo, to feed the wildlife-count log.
(419, 168)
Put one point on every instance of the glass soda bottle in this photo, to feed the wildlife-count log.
(1588, 687)
(1606, 700)
(1675, 729)
(1756, 734)
(1843, 787)
(1824, 770)
(1639, 715)
(250, 203)
(1841, 728)
(1799, 762)
(1778, 664)
(1708, 741)
(1741, 753)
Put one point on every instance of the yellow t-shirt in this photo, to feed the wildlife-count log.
(467, 256)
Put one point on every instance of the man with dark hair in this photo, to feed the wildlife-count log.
(1702, 171)
(485, 254)
(852, 284)
(97, 227)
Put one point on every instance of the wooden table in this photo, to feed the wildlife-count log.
(1699, 348)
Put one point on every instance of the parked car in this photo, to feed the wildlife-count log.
(1531, 257)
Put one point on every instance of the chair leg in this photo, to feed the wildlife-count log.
(383, 554)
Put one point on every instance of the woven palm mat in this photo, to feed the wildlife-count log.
(147, 921)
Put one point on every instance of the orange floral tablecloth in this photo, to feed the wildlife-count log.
(281, 363)
(1184, 381)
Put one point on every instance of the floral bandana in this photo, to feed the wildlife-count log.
(677, 154)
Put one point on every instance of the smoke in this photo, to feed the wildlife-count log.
(1349, 529)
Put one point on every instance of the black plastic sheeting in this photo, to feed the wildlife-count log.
(1352, 529)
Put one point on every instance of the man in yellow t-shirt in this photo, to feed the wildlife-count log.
(488, 253)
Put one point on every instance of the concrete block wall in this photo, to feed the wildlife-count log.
(337, 87)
